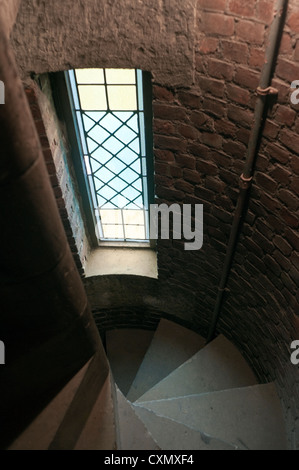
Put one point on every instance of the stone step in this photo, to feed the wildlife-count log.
(40, 433)
(125, 350)
(218, 366)
(173, 435)
(99, 431)
(133, 434)
(249, 417)
(171, 346)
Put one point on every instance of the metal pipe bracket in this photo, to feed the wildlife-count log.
(270, 90)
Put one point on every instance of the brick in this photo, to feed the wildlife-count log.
(186, 161)
(208, 45)
(212, 140)
(239, 115)
(287, 70)
(198, 118)
(206, 168)
(163, 127)
(162, 93)
(241, 7)
(170, 194)
(212, 86)
(271, 129)
(216, 5)
(278, 153)
(214, 184)
(289, 199)
(289, 139)
(220, 69)
(169, 143)
(184, 186)
(250, 31)
(257, 58)
(293, 21)
(266, 182)
(189, 99)
(247, 78)
(164, 155)
(295, 185)
(295, 164)
(238, 94)
(204, 194)
(187, 131)
(235, 149)
(236, 52)
(226, 128)
(214, 106)
(265, 11)
(192, 176)
(290, 219)
(168, 112)
(285, 115)
(292, 237)
(281, 175)
(282, 245)
(217, 23)
(221, 159)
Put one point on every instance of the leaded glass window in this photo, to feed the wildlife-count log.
(109, 112)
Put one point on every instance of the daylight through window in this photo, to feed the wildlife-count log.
(108, 107)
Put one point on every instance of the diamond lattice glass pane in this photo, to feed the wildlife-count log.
(101, 155)
(136, 166)
(123, 115)
(129, 175)
(125, 134)
(92, 97)
(113, 231)
(134, 232)
(120, 201)
(92, 145)
(113, 145)
(110, 123)
(107, 193)
(118, 184)
(122, 97)
(127, 156)
(135, 145)
(111, 216)
(98, 134)
(105, 175)
(95, 165)
(138, 185)
(116, 165)
(88, 123)
(120, 76)
(133, 123)
(130, 193)
(90, 76)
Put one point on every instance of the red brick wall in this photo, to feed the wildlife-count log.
(200, 138)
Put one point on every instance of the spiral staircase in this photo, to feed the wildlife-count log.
(166, 390)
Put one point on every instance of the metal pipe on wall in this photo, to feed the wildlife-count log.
(264, 90)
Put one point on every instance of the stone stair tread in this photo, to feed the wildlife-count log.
(99, 431)
(40, 433)
(174, 435)
(217, 366)
(250, 416)
(133, 433)
(172, 345)
(125, 350)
